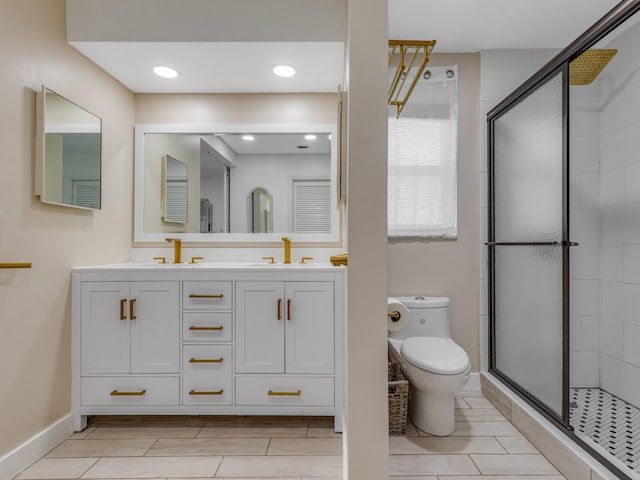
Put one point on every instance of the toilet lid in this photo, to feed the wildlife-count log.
(436, 355)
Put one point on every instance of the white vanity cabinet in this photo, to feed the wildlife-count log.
(285, 327)
(207, 339)
(130, 327)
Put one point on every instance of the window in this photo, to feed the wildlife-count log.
(422, 185)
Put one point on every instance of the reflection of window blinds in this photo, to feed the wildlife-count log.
(85, 193)
(312, 206)
(176, 202)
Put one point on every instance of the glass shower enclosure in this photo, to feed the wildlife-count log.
(564, 240)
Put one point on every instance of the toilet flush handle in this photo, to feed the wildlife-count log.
(394, 316)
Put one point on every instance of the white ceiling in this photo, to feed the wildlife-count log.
(128, 49)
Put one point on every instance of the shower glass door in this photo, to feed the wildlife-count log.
(528, 254)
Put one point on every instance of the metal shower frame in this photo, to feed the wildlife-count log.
(560, 63)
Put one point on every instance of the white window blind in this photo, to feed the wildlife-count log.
(85, 193)
(176, 201)
(312, 206)
(422, 184)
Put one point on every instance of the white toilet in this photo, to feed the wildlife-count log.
(434, 364)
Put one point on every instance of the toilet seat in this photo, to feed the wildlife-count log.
(436, 355)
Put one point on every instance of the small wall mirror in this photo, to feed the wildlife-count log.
(68, 152)
(175, 192)
(260, 213)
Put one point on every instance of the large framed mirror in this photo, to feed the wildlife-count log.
(68, 153)
(287, 172)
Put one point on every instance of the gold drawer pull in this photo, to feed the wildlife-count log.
(122, 314)
(279, 309)
(297, 393)
(206, 360)
(132, 309)
(218, 328)
(204, 295)
(216, 392)
(116, 393)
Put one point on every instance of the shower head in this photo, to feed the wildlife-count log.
(584, 69)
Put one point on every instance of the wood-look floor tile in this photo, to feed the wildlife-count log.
(479, 415)
(145, 467)
(281, 466)
(243, 430)
(55, 468)
(445, 445)
(176, 447)
(420, 477)
(517, 445)
(324, 432)
(305, 446)
(222, 419)
(478, 402)
(109, 432)
(431, 465)
(503, 477)
(514, 465)
(129, 447)
(460, 403)
(484, 429)
(82, 434)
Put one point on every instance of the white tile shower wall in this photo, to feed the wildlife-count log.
(620, 194)
(502, 71)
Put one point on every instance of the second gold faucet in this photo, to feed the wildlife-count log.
(177, 249)
(287, 250)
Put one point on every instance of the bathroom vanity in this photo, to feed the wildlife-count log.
(207, 339)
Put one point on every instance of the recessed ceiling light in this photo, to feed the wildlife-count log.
(165, 72)
(284, 71)
(248, 138)
(310, 136)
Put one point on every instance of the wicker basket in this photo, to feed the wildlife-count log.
(398, 396)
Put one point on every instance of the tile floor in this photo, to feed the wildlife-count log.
(485, 446)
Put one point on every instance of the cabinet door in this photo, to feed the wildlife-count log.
(260, 327)
(155, 327)
(105, 327)
(309, 327)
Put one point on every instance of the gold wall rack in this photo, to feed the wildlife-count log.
(411, 55)
(16, 265)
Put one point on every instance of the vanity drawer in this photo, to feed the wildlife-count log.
(207, 326)
(284, 390)
(206, 295)
(207, 373)
(130, 390)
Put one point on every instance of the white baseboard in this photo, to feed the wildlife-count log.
(473, 383)
(37, 446)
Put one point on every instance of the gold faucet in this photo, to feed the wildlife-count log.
(287, 250)
(177, 249)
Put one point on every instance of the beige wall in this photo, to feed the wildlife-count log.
(35, 303)
(450, 267)
(237, 108)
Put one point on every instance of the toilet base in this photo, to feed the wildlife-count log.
(431, 412)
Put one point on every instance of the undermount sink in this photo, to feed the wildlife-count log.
(288, 265)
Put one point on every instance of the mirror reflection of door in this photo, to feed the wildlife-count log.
(176, 188)
(260, 211)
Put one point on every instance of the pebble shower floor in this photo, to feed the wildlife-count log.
(609, 421)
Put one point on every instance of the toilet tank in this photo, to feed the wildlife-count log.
(428, 317)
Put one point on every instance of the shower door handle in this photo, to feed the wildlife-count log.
(563, 243)
(512, 244)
